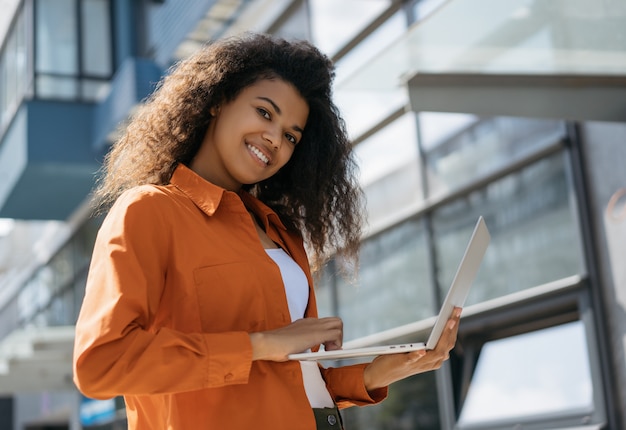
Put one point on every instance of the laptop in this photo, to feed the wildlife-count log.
(457, 293)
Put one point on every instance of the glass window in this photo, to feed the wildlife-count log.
(57, 87)
(10, 71)
(296, 26)
(93, 89)
(386, 159)
(423, 8)
(96, 42)
(56, 37)
(334, 23)
(412, 404)
(14, 77)
(393, 286)
(534, 235)
(478, 147)
(362, 108)
(70, 65)
(5, 101)
(324, 290)
(543, 373)
(63, 265)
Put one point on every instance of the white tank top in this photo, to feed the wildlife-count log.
(297, 291)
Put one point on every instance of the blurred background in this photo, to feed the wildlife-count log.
(510, 109)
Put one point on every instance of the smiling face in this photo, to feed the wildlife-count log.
(251, 137)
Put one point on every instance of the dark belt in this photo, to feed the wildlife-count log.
(328, 418)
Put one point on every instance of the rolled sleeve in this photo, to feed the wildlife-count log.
(347, 388)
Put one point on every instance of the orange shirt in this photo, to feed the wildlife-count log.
(177, 280)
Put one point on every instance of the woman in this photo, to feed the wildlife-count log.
(200, 286)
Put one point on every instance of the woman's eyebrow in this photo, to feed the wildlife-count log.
(279, 112)
(270, 101)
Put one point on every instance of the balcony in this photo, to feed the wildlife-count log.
(51, 153)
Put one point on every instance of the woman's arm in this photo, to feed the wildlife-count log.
(117, 349)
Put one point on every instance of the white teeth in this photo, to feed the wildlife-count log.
(259, 154)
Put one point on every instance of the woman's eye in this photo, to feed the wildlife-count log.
(291, 139)
(265, 114)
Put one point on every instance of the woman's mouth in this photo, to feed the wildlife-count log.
(262, 157)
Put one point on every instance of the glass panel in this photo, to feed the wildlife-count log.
(393, 286)
(61, 309)
(94, 90)
(388, 158)
(54, 87)
(296, 26)
(96, 38)
(10, 71)
(476, 147)
(4, 98)
(22, 56)
(515, 36)
(531, 375)
(423, 8)
(363, 109)
(412, 404)
(56, 36)
(27, 305)
(329, 26)
(13, 71)
(531, 223)
(63, 266)
(324, 290)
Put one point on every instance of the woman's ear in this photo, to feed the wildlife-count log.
(214, 110)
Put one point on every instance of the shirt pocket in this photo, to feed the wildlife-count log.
(230, 297)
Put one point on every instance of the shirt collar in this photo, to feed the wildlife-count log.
(261, 210)
(208, 196)
(204, 194)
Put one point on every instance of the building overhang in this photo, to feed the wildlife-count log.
(537, 58)
(47, 166)
(570, 97)
(36, 359)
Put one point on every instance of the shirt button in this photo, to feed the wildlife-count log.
(332, 420)
(228, 377)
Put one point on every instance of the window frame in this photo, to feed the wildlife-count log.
(80, 77)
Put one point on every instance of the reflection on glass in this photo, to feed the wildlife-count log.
(324, 290)
(56, 47)
(478, 147)
(363, 109)
(57, 87)
(96, 38)
(334, 22)
(389, 168)
(14, 79)
(393, 285)
(530, 375)
(54, 294)
(94, 90)
(412, 404)
(515, 36)
(297, 25)
(534, 236)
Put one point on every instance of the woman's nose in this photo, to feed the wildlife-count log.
(272, 136)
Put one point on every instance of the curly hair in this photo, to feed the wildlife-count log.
(315, 193)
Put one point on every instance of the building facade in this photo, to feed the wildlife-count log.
(515, 111)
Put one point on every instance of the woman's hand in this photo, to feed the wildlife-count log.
(386, 369)
(300, 335)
